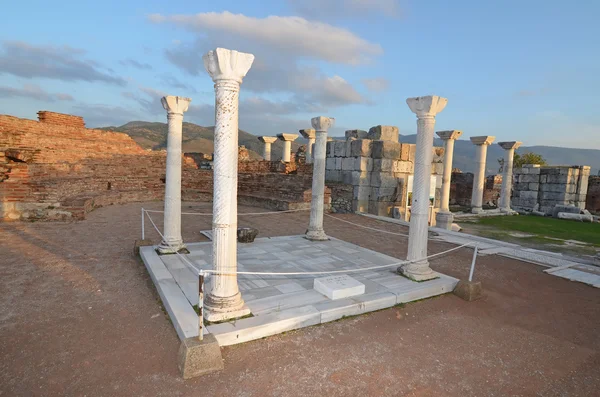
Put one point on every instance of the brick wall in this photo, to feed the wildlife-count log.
(54, 171)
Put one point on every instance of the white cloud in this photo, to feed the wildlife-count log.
(376, 84)
(294, 36)
(322, 9)
(33, 92)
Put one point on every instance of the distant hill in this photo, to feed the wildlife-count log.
(464, 154)
(196, 138)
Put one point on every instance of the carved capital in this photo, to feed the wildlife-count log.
(427, 106)
(175, 104)
(450, 134)
(308, 133)
(482, 140)
(287, 137)
(322, 123)
(267, 139)
(224, 64)
(510, 145)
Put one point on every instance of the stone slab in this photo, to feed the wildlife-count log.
(339, 286)
(468, 290)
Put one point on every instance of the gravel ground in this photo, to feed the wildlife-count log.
(79, 316)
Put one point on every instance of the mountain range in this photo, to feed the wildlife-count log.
(153, 135)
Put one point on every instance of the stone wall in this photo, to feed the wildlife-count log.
(461, 189)
(50, 171)
(341, 197)
(592, 201)
(540, 188)
(377, 167)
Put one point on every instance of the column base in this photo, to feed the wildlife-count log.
(476, 210)
(316, 235)
(507, 211)
(419, 274)
(171, 248)
(223, 309)
(444, 220)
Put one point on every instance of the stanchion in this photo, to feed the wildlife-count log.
(143, 233)
(201, 305)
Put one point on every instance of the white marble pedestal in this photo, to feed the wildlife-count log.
(338, 287)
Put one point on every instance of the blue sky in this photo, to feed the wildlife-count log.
(520, 70)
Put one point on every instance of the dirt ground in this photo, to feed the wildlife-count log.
(79, 316)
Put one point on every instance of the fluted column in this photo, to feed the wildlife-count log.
(315, 230)
(444, 217)
(172, 241)
(481, 143)
(267, 140)
(426, 108)
(507, 169)
(287, 139)
(227, 69)
(310, 135)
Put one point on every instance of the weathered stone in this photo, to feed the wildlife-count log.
(575, 217)
(405, 167)
(383, 133)
(363, 164)
(380, 208)
(405, 151)
(330, 148)
(361, 193)
(383, 165)
(360, 206)
(340, 148)
(361, 178)
(348, 164)
(386, 149)
(379, 179)
(246, 234)
(358, 134)
(361, 147)
(338, 163)
(468, 290)
(330, 163)
(199, 357)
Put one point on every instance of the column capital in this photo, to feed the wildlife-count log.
(482, 140)
(308, 133)
(267, 139)
(224, 64)
(510, 145)
(175, 104)
(426, 106)
(287, 137)
(449, 134)
(322, 123)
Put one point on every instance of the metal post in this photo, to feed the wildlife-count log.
(200, 305)
(143, 232)
(473, 263)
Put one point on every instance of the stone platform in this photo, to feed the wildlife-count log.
(283, 303)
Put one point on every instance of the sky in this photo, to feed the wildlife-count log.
(524, 70)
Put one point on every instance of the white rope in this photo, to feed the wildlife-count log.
(367, 227)
(247, 213)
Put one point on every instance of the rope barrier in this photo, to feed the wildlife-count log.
(367, 227)
(243, 214)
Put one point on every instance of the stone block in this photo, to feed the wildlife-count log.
(361, 178)
(360, 206)
(338, 286)
(333, 176)
(340, 148)
(363, 164)
(361, 147)
(468, 290)
(528, 195)
(361, 193)
(330, 163)
(437, 168)
(529, 178)
(349, 147)
(358, 134)
(383, 194)
(556, 196)
(330, 152)
(534, 186)
(405, 151)
(385, 165)
(557, 178)
(379, 179)
(381, 208)
(384, 133)
(348, 164)
(199, 357)
(543, 178)
(338, 163)
(404, 167)
(386, 149)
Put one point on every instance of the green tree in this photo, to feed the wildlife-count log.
(525, 158)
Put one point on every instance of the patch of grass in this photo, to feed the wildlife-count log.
(545, 226)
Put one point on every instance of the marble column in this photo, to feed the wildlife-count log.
(426, 108)
(227, 69)
(267, 140)
(481, 143)
(310, 135)
(444, 217)
(172, 241)
(287, 139)
(315, 230)
(507, 169)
